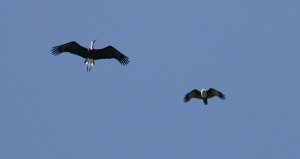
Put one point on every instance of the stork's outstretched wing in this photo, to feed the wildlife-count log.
(192, 94)
(212, 92)
(110, 52)
(71, 47)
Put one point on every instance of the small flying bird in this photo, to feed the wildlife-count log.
(203, 94)
(90, 54)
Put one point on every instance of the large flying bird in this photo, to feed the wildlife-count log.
(203, 94)
(91, 54)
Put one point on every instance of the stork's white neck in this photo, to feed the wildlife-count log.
(92, 44)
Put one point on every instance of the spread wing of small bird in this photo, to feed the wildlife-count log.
(192, 94)
(212, 92)
(110, 52)
(71, 47)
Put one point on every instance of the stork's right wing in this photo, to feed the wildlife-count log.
(71, 47)
(192, 94)
(111, 52)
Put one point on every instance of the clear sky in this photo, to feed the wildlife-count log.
(51, 107)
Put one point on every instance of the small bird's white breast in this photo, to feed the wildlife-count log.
(203, 93)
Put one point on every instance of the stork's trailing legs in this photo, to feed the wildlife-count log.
(89, 62)
(88, 68)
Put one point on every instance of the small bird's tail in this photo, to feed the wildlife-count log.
(205, 101)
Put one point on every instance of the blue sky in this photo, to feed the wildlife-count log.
(51, 107)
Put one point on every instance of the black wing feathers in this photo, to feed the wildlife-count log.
(212, 92)
(192, 94)
(110, 52)
(71, 47)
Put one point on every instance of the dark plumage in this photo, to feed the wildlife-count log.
(203, 94)
(91, 54)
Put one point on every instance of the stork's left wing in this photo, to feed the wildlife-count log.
(212, 92)
(71, 47)
(110, 52)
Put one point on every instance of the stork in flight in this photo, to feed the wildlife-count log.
(91, 54)
(203, 94)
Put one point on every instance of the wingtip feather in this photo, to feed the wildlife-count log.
(55, 51)
(222, 96)
(186, 99)
(124, 60)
